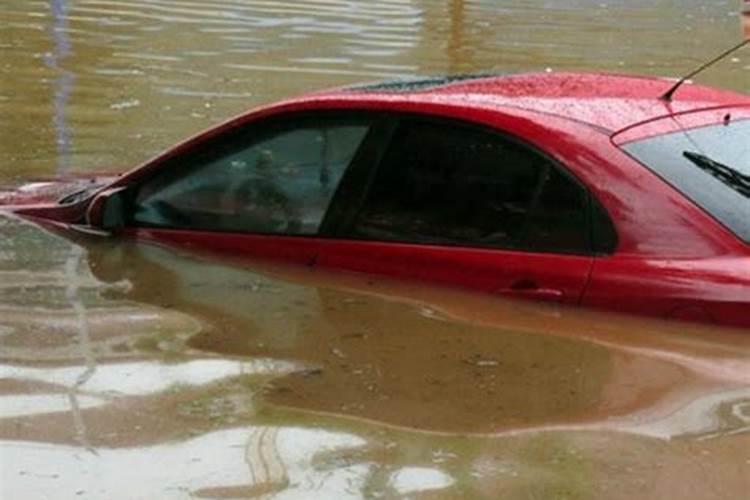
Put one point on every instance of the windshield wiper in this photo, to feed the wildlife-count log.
(726, 174)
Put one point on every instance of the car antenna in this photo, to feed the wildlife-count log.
(670, 93)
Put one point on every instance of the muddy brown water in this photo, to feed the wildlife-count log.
(133, 371)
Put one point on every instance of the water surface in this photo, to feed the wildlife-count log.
(134, 371)
(101, 85)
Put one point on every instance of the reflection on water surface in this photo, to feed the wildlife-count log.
(95, 85)
(252, 379)
(130, 371)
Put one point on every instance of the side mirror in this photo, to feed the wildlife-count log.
(107, 210)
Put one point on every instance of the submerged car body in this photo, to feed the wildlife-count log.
(583, 189)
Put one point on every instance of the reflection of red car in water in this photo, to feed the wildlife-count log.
(582, 189)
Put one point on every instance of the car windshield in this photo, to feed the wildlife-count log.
(709, 165)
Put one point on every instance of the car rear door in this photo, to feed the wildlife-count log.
(467, 206)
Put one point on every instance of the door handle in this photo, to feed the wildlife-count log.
(530, 289)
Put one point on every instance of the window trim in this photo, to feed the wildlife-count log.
(355, 185)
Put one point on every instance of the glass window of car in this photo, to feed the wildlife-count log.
(277, 181)
(458, 185)
(709, 165)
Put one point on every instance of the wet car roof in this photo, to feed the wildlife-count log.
(606, 101)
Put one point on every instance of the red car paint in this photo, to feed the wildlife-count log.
(672, 258)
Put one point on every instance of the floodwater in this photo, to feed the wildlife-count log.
(131, 371)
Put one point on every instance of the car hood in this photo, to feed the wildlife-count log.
(55, 191)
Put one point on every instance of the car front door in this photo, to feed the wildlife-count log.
(262, 190)
(463, 205)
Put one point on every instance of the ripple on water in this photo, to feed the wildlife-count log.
(92, 51)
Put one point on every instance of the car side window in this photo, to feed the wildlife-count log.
(279, 180)
(458, 185)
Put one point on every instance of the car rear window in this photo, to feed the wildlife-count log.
(710, 165)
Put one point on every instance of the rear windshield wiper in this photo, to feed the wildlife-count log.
(726, 174)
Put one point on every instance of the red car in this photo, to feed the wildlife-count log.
(583, 189)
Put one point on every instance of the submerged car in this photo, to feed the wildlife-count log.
(582, 189)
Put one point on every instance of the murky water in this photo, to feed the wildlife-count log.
(131, 371)
(92, 85)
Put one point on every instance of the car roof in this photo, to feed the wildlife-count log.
(606, 101)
